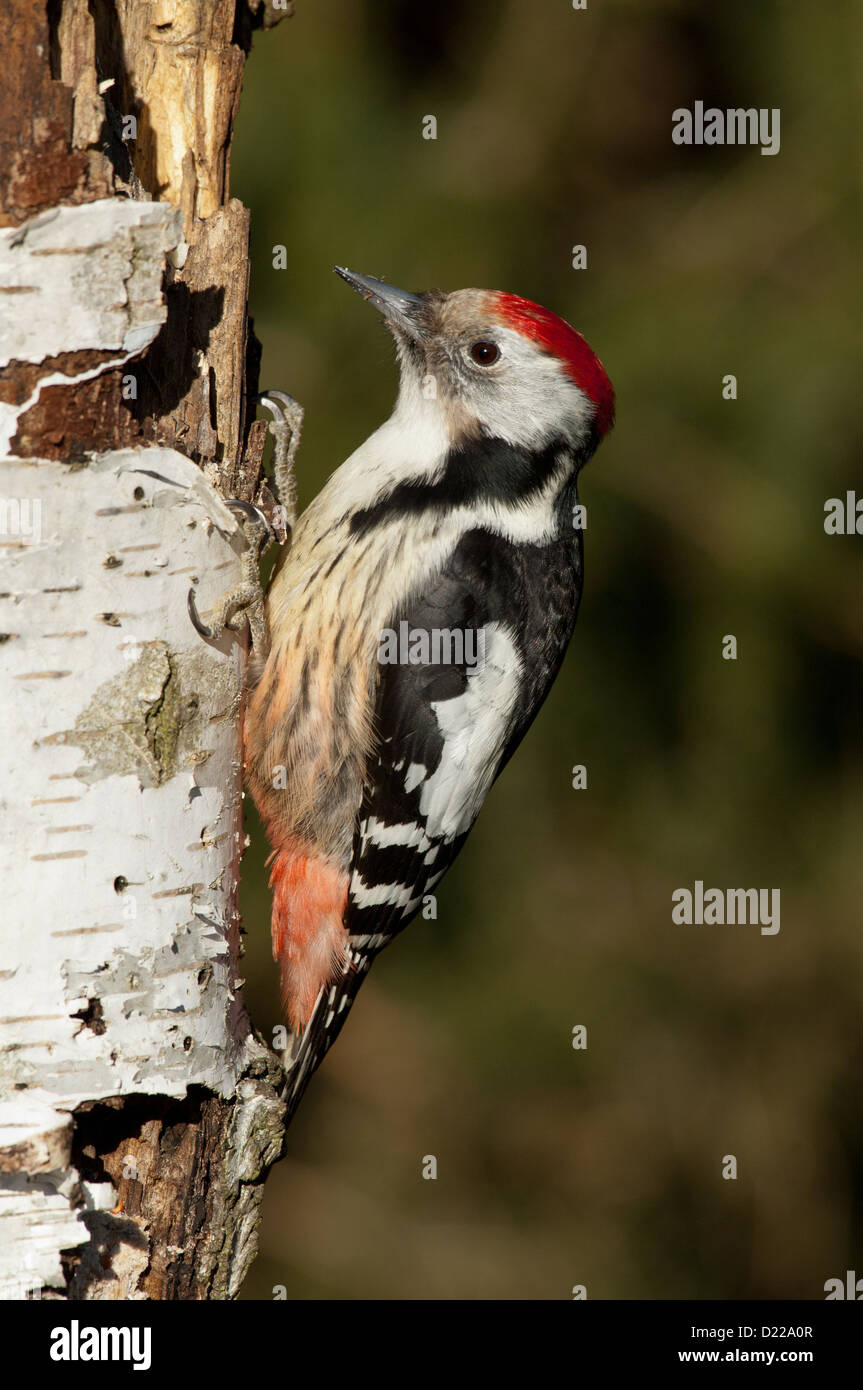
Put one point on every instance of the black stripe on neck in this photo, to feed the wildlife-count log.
(481, 470)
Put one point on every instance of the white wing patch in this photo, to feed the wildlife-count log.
(381, 894)
(474, 727)
(377, 832)
(415, 774)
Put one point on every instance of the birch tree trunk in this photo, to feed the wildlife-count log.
(138, 1112)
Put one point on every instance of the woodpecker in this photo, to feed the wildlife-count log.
(456, 517)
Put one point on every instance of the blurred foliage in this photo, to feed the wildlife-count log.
(705, 517)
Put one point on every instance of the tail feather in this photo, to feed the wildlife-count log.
(326, 1022)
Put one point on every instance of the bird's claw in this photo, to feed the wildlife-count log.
(283, 408)
(197, 624)
(251, 512)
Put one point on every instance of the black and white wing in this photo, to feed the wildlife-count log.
(447, 728)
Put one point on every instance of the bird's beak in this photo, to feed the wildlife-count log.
(399, 307)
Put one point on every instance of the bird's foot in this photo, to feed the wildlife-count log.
(245, 602)
(286, 428)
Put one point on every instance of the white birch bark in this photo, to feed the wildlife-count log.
(121, 774)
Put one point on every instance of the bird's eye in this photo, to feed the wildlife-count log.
(484, 353)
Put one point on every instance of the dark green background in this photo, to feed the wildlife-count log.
(705, 517)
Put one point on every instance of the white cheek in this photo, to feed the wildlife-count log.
(530, 398)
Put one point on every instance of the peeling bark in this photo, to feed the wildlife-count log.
(139, 1113)
(82, 73)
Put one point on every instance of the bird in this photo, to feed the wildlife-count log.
(415, 622)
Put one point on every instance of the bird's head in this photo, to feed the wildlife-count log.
(494, 364)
